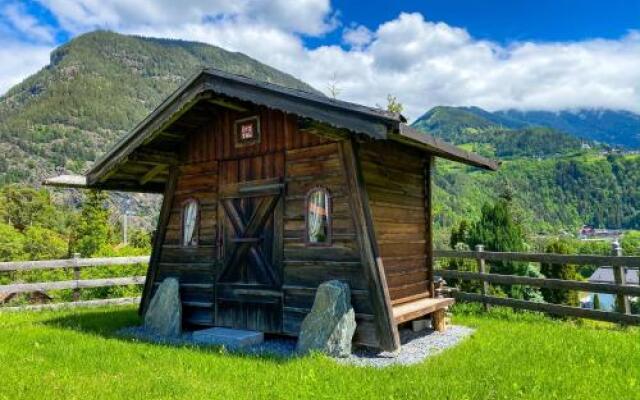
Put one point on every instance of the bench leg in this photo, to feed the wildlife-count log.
(437, 320)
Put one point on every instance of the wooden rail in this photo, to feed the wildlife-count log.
(620, 288)
(75, 263)
(70, 263)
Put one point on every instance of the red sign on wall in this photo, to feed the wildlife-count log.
(247, 131)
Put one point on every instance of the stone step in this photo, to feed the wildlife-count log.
(232, 338)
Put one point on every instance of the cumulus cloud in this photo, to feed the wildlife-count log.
(357, 36)
(17, 17)
(14, 69)
(301, 16)
(423, 63)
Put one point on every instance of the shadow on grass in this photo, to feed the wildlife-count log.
(108, 323)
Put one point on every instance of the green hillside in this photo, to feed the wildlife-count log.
(609, 127)
(556, 184)
(97, 87)
(495, 137)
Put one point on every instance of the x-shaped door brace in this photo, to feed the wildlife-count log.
(246, 239)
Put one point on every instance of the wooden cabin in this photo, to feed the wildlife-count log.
(271, 191)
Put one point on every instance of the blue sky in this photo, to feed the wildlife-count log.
(507, 21)
(495, 54)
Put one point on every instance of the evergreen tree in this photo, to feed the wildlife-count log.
(498, 231)
(459, 234)
(596, 302)
(560, 271)
(92, 229)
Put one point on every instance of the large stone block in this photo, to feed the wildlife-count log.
(164, 314)
(331, 323)
(232, 338)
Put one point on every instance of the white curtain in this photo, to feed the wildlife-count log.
(189, 218)
(317, 216)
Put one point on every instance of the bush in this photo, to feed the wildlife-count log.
(560, 271)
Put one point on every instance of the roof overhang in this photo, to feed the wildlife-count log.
(440, 148)
(222, 88)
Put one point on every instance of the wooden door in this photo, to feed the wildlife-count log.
(249, 285)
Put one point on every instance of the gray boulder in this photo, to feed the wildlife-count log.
(164, 314)
(331, 323)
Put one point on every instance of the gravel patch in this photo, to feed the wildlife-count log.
(416, 346)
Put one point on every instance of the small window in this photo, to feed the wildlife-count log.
(318, 217)
(247, 131)
(190, 223)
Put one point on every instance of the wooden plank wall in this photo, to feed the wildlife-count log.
(394, 177)
(306, 267)
(279, 132)
(305, 161)
(195, 267)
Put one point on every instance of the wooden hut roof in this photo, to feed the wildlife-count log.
(174, 115)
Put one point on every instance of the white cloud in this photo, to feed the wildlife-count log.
(423, 63)
(357, 36)
(16, 15)
(14, 69)
(301, 16)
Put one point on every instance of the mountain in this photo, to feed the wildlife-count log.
(556, 183)
(96, 88)
(605, 126)
(616, 128)
(495, 135)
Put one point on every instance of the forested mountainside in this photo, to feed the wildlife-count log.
(95, 89)
(556, 182)
(609, 127)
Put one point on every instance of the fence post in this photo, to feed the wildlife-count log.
(620, 276)
(76, 275)
(482, 270)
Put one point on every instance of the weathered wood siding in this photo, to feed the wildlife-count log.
(306, 267)
(214, 141)
(395, 183)
(195, 266)
(303, 161)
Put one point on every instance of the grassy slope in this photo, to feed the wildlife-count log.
(74, 355)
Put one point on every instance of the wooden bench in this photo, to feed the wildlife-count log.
(415, 309)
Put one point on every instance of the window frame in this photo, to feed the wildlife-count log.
(329, 241)
(196, 232)
(238, 141)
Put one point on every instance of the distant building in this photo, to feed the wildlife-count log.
(605, 275)
(589, 232)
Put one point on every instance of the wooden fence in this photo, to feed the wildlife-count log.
(620, 288)
(76, 284)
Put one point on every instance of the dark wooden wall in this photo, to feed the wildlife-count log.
(303, 161)
(395, 181)
(307, 267)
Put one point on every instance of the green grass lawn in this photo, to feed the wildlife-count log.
(74, 355)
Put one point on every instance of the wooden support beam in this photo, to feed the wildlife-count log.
(161, 229)
(429, 168)
(227, 104)
(309, 126)
(386, 327)
(438, 320)
(171, 135)
(156, 156)
(152, 173)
